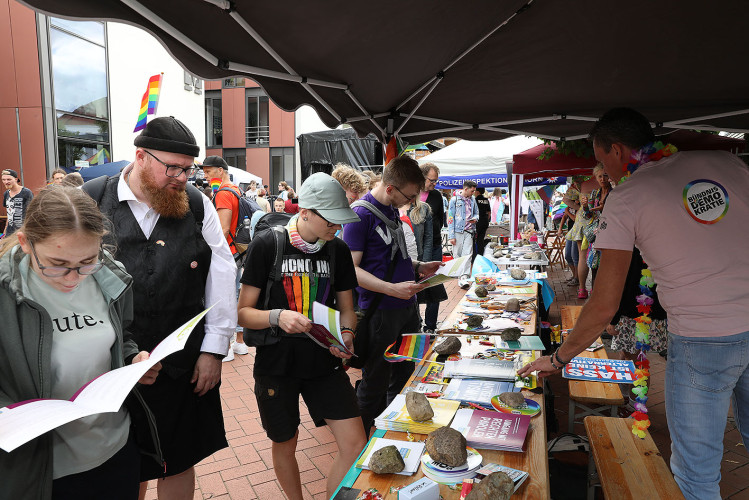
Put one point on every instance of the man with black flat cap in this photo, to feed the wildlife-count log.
(169, 237)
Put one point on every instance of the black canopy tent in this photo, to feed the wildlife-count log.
(485, 69)
(320, 151)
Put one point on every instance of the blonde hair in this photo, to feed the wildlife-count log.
(372, 178)
(349, 178)
(418, 215)
(598, 168)
(59, 209)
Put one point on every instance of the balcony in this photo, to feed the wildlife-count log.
(257, 136)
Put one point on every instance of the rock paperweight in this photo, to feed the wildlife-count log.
(512, 399)
(451, 345)
(418, 407)
(495, 486)
(387, 460)
(447, 446)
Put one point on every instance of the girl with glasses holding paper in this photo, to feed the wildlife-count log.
(64, 304)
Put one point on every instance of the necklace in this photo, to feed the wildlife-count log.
(651, 152)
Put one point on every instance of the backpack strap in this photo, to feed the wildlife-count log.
(196, 205)
(95, 188)
(279, 237)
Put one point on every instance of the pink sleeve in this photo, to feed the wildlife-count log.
(616, 230)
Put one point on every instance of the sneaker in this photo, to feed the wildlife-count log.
(572, 282)
(465, 282)
(582, 294)
(229, 357)
(240, 348)
(430, 331)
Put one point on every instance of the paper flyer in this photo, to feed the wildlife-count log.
(600, 370)
(453, 269)
(326, 328)
(24, 421)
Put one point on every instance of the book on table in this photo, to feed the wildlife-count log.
(410, 451)
(477, 391)
(492, 430)
(326, 328)
(481, 368)
(600, 370)
(21, 422)
(396, 418)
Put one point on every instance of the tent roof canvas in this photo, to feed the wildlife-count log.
(477, 157)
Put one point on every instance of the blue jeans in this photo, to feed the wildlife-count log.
(703, 376)
(571, 255)
(432, 310)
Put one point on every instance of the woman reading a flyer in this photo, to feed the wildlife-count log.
(290, 268)
(64, 304)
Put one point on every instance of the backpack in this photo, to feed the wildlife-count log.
(270, 336)
(247, 207)
(270, 220)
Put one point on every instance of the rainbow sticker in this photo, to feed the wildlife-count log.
(705, 201)
(530, 407)
(215, 184)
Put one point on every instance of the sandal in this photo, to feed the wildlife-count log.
(582, 293)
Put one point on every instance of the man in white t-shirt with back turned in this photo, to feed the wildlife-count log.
(686, 213)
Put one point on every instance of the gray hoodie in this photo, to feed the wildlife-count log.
(25, 371)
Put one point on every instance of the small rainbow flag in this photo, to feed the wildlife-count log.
(215, 184)
(150, 101)
(412, 347)
(100, 157)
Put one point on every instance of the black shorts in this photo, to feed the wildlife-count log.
(328, 397)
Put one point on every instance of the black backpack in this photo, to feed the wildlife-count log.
(271, 219)
(247, 207)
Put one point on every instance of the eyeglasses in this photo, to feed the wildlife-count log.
(432, 181)
(174, 170)
(409, 198)
(330, 224)
(59, 271)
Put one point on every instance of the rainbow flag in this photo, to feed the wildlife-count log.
(100, 157)
(150, 101)
(215, 184)
(394, 149)
(412, 348)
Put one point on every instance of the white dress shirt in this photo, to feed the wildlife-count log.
(221, 321)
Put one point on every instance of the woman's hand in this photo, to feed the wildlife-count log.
(294, 322)
(149, 377)
(542, 365)
(348, 341)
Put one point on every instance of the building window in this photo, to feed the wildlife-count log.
(80, 91)
(230, 83)
(214, 135)
(236, 158)
(258, 131)
(282, 167)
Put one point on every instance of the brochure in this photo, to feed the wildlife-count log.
(524, 343)
(452, 270)
(492, 430)
(600, 370)
(481, 368)
(396, 418)
(477, 391)
(24, 421)
(410, 451)
(326, 328)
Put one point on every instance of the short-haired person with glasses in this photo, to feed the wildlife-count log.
(314, 266)
(462, 216)
(378, 247)
(169, 238)
(433, 198)
(66, 305)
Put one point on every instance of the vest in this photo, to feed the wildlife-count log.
(169, 271)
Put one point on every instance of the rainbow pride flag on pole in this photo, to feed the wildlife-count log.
(150, 101)
(412, 348)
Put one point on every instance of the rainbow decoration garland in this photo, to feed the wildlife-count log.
(412, 348)
(652, 152)
(150, 101)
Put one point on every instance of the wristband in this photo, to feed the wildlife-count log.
(551, 360)
(274, 316)
(559, 360)
(418, 265)
(347, 330)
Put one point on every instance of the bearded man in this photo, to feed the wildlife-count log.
(169, 238)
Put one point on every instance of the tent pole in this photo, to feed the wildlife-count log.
(518, 132)
(527, 120)
(359, 105)
(221, 4)
(418, 105)
(436, 131)
(366, 117)
(706, 117)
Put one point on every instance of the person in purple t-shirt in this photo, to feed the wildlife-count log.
(373, 247)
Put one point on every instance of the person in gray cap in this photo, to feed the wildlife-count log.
(169, 238)
(275, 305)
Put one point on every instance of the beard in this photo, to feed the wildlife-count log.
(166, 202)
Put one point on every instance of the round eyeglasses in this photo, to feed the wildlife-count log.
(59, 271)
(173, 170)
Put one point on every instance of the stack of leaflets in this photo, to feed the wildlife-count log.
(524, 343)
(517, 476)
(481, 368)
(395, 417)
(477, 391)
(492, 430)
(411, 453)
(445, 474)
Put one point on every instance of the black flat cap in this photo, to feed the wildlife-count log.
(214, 161)
(168, 134)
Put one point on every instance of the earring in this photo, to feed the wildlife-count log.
(305, 219)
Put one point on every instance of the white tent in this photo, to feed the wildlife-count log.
(481, 161)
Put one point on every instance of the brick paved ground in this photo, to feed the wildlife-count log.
(244, 471)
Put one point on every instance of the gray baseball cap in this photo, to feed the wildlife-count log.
(324, 194)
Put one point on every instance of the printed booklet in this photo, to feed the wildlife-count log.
(411, 453)
(477, 391)
(452, 270)
(491, 430)
(326, 328)
(600, 370)
(24, 421)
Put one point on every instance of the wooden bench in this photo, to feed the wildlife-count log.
(625, 466)
(591, 398)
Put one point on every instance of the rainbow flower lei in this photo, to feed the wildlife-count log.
(652, 152)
